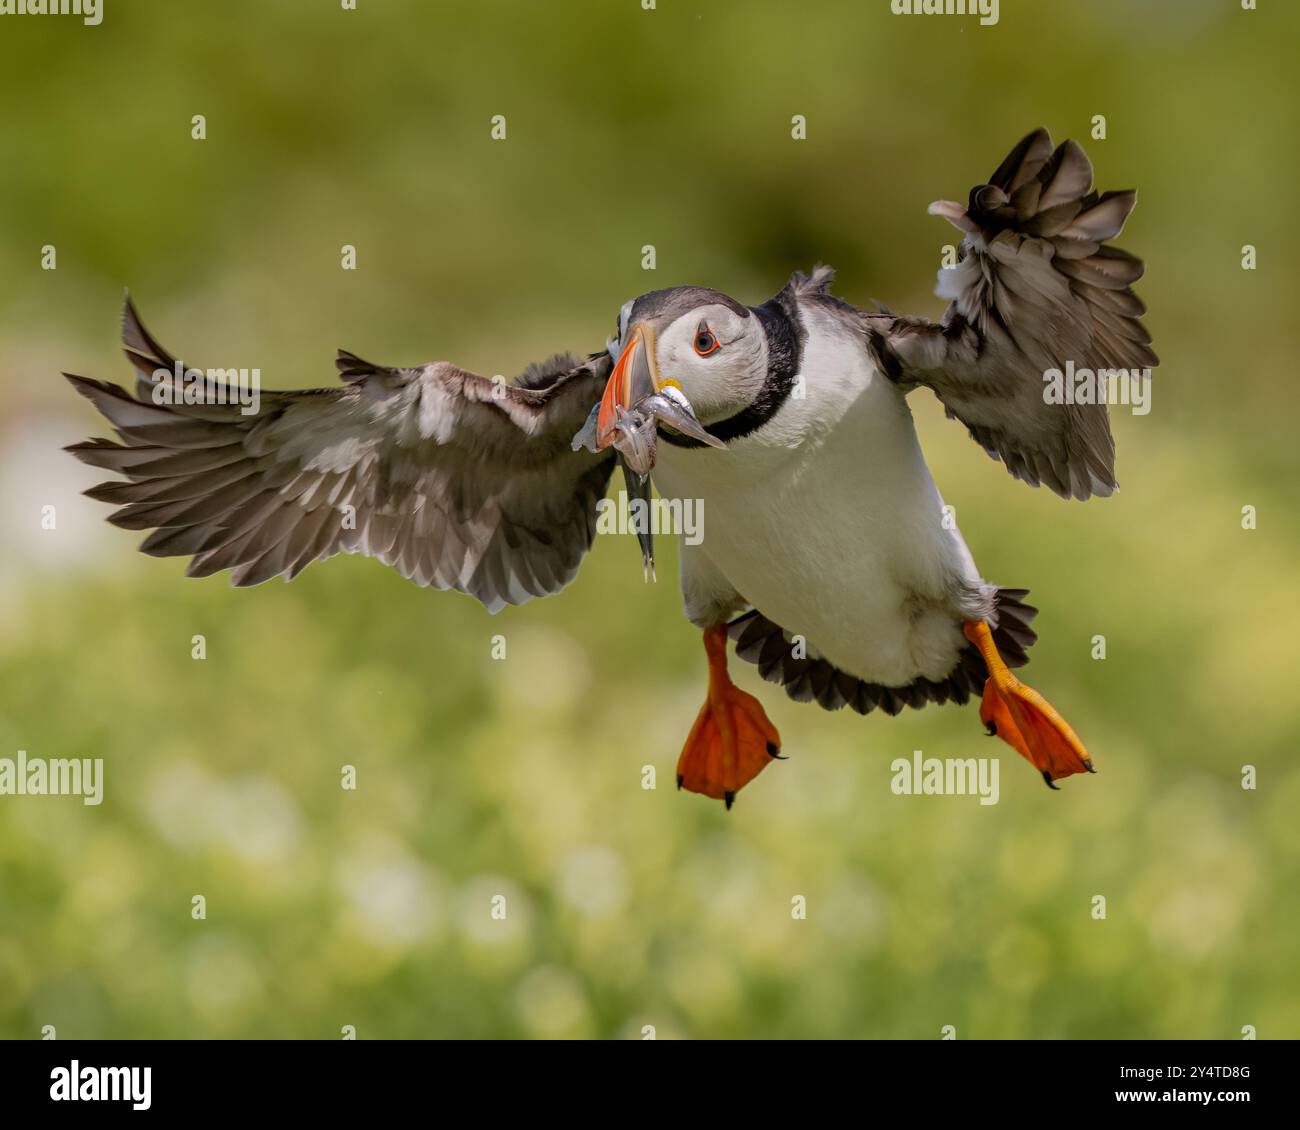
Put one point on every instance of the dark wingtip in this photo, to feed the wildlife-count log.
(353, 368)
(130, 315)
(1039, 139)
(680, 779)
(87, 386)
(729, 798)
(138, 343)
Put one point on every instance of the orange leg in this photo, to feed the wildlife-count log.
(732, 741)
(1023, 718)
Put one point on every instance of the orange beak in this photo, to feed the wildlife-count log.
(633, 379)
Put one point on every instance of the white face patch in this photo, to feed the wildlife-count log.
(726, 379)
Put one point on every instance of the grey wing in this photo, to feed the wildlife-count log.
(455, 480)
(1036, 287)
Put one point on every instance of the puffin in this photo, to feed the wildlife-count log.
(828, 556)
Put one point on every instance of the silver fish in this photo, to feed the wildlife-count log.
(634, 433)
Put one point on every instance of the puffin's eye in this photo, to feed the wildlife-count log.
(705, 342)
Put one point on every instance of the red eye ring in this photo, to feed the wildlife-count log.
(705, 341)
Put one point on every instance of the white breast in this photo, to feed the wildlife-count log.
(828, 522)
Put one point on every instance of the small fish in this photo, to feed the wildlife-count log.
(639, 502)
(635, 437)
(634, 432)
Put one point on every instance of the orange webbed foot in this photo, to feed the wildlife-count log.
(732, 740)
(1024, 719)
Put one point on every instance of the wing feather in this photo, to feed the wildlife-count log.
(1036, 287)
(456, 480)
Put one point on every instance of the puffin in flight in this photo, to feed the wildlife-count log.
(827, 555)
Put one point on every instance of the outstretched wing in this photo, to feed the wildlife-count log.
(455, 480)
(1036, 287)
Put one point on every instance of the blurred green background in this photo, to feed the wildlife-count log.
(629, 907)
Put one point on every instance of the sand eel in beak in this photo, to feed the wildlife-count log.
(634, 402)
(826, 556)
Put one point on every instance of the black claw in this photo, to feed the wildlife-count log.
(680, 779)
(1087, 764)
(774, 750)
(991, 729)
(1047, 776)
(729, 798)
